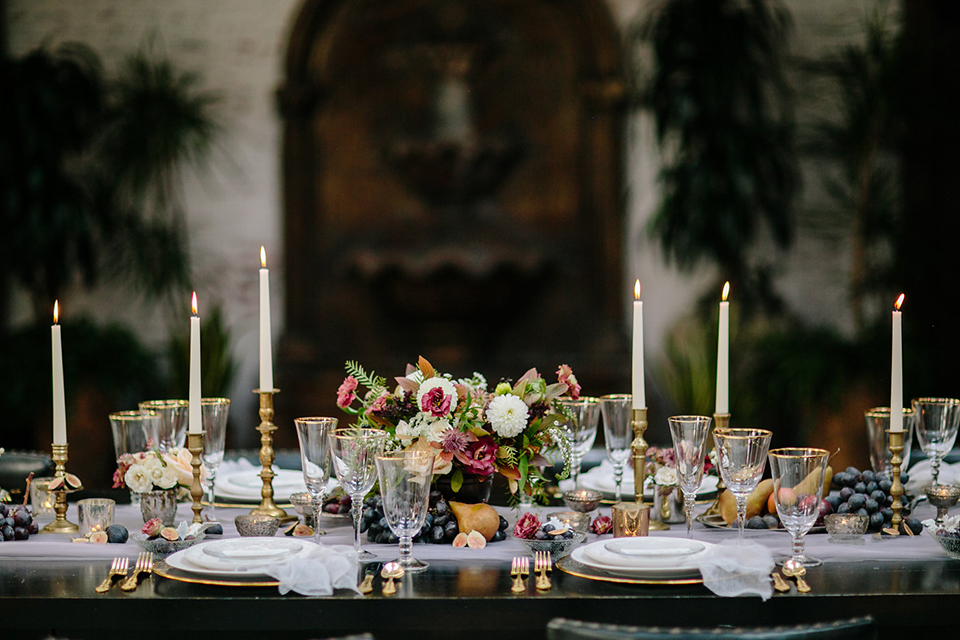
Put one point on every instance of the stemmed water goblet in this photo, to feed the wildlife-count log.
(313, 434)
(405, 486)
(214, 412)
(580, 430)
(133, 432)
(171, 426)
(354, 451)
(617, 435)
(937, 420)
(798, 475)
(741, 458)
(689, 434)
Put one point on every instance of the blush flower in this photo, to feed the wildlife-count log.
(526, 526)
(601, 525)
(565, 375)
(137, 478)
(345, 394)
(479, 456)
(507, 415)
(437, 397)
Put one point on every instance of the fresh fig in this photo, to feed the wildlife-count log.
(117, 533)
(152, 528)
(476, 540)
(98, 537)
(460, 541)
(169, 533)
(302, 531)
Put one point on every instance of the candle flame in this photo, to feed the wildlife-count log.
(56, 311)
(636, 290)
(726, 291)
(899, 302)
(193, 304)
(263, 258)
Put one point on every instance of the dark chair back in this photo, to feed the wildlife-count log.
(852, 629)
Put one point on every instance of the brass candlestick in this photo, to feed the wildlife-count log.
(266, 428)
(195, 446)
(896, 491)
(639, 448)
(720, 421)
(61, 524)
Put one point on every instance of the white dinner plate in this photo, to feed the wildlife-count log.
(246, 485)
(648, 552)
(206, 562)
(684, 567)
(604, 482)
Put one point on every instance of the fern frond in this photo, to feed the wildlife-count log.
(370, 380)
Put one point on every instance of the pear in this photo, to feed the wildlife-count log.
(758, 498)
(808, 484)
(728, 506)
(476, 517)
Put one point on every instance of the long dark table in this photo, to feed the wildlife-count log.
(466, 598)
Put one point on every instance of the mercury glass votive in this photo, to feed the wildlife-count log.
(41, 500)
(582, 500)
(846, 528)
(96, 514)
(942, 496)
(578, 521)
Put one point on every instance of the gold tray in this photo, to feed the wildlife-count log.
(716, 521)
(574, 568)
(162, 569)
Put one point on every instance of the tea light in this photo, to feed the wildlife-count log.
(96, 514)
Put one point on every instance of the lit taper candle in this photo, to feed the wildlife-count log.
(896, 370)
(266, 347)
(639, 387)
(723, 354)
(195, 416)
(59, 405)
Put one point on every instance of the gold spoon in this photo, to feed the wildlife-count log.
(779, 583)
(391, 571)
(796, 571)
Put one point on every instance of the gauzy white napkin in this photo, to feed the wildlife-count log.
(318, 573)
(921, 475)
(730, 570)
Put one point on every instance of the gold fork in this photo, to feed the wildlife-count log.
(144, 565)
(118, 568)
(517, 576)
(540, 568)
(524, 570)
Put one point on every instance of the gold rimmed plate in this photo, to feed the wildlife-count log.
(580, 570)
(162, 569)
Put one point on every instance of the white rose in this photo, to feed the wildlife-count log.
(507, 415)
(167, 478)
(137, 479)
(665, 477)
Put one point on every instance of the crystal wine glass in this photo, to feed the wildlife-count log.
(617, 435)
(314, 436)
(171, 427)
(405, 486)
(797, 487)
(132, 433)
(741, 458)
(689, 434)
(581, 431)
(354, 451)
(214, 412)
(936, 425)
(878, 422)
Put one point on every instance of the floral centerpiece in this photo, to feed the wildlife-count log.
(472, 430)
(152, 470)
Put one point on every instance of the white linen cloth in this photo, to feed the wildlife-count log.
(730, 570)
(920, 476)
(323, 569)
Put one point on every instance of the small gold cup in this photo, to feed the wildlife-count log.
(630, 519)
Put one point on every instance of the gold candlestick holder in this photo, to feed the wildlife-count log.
(61, 524)
(195, 446)
(639, 449)
(720, 421)
(267, 455)
(896, 491)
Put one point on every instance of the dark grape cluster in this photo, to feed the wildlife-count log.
(439, 527)
(868, 493)
(337, 504)
(16, 522)
(546, 532)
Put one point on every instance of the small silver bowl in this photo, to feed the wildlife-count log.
(950, 543)
(576, 520)
(249, 525)
(846, 527)
(303, 504)
(558, 547)
(582, 500)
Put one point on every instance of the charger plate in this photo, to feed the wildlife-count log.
(580, 570)
(162, 569)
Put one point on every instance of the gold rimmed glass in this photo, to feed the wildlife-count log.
(937, 422)
(617, 410)
(313, 434)
(741, 459)
(580, 430)
(354, 451)
(405, 478)
(171, 428)
(689, 435)
(798, 475)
